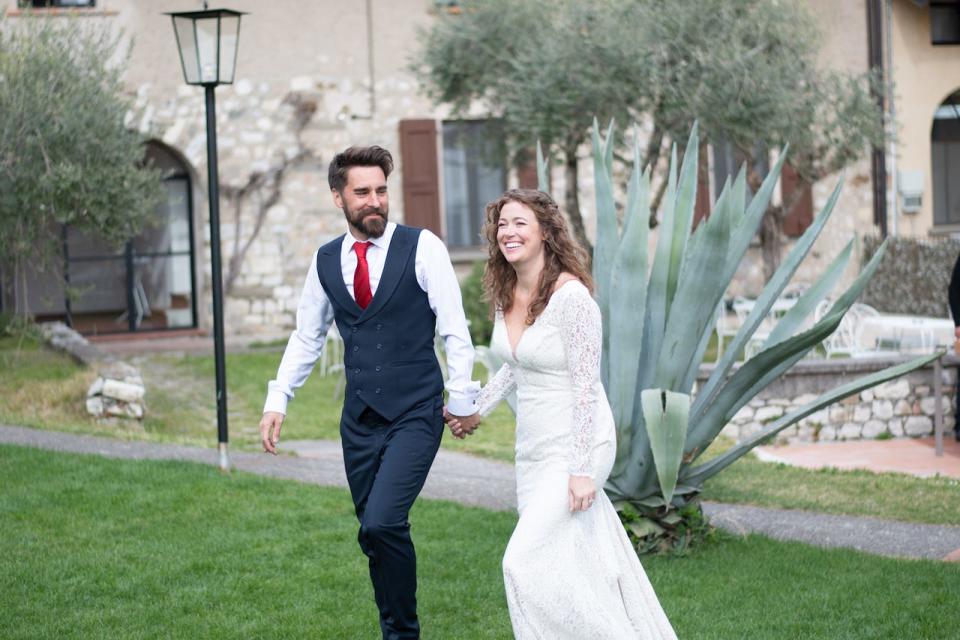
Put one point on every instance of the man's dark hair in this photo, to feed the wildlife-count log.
(358, 157)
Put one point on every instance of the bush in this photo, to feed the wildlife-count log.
(476, 309)
(913, 276)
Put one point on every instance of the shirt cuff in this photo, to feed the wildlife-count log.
(463, 404)
(276, 401)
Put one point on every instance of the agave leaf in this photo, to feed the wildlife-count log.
(665, 415)
(683, 211)
(629, 283)
(762, 306)
(808, 302)
(698, 292)
(543, 171)
(656, 311)
(768, 365)
(607, 236)
(733, 210)
(644, 527)
(697, 475)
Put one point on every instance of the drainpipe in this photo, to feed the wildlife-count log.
(893, 197)
(878, 167)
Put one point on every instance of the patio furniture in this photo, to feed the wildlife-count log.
(849, 337)
(907, 333)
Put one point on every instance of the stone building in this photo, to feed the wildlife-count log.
(314, 77)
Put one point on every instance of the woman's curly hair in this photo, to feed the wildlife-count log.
(561, 253)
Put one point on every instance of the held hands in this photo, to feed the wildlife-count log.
(581, 492)
(461, 426)
(270, 425)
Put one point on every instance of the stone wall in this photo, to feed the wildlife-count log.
(903, 407)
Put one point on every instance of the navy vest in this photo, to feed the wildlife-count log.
(388, 355)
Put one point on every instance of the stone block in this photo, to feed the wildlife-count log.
(882, 409)
(95, 406)
(861, 413)
(928, 405)
(867, 395)
(123, 391)
(918, 426)
(922, 390)
(838, 414)
(803, 399)
(827, 434)
(731, 431)
(767, 414)
(96, 388)
(895, 390)
(902, 408)
(850, 431)
(779, 402)
(873, 428)
(744, 415)
(896, 427)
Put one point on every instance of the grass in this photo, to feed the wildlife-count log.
(142, 549)
(851, 492)
(43, 388)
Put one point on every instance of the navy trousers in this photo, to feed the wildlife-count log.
(386, 464)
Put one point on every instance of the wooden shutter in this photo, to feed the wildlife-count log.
(701, 205)
(796, 221)
(527, 171)
(421, 187)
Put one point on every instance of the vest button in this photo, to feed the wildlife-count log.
(353, 330)
(379, 368)
(358, 392)
(379, 346)
(378, 390)
(357, 370)
(357, 347)
(379, 326)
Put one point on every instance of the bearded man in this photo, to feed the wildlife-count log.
(390, 288)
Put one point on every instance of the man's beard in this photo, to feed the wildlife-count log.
(370, 221)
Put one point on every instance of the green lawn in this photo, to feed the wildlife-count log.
(42, 388)
(98, 548)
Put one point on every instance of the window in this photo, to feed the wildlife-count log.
(474, 172)
(944, 23)
(473, 175)
(945, 161)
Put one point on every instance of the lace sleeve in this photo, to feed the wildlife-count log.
(581, 331)
(498, 388)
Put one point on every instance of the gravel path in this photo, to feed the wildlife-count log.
(490, 484)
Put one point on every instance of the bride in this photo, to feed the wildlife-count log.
(569, 568)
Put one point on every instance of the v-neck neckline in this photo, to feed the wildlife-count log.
(506, 328)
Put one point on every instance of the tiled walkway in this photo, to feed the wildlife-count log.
(903, 455)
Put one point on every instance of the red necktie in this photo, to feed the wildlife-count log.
(361, 277)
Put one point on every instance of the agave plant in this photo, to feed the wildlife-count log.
(658, 317)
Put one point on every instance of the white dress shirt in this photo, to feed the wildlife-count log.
(435, 276)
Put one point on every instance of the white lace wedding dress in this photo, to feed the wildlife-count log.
(567, 575)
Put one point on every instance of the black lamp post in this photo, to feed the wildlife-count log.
(207, 41)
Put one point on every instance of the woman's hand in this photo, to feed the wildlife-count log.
(581, 492)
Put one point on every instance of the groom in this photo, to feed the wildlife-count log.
(389, 288)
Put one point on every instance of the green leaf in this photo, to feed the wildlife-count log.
(762, 306)
(644, 527)
(608, 236)
(768, 365)
(807, 303)
(699, 474)
(665, 415)
(626, 307)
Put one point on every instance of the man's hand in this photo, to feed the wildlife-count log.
(270, 425)
(461, 426)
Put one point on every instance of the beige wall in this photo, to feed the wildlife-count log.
(924, 75)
